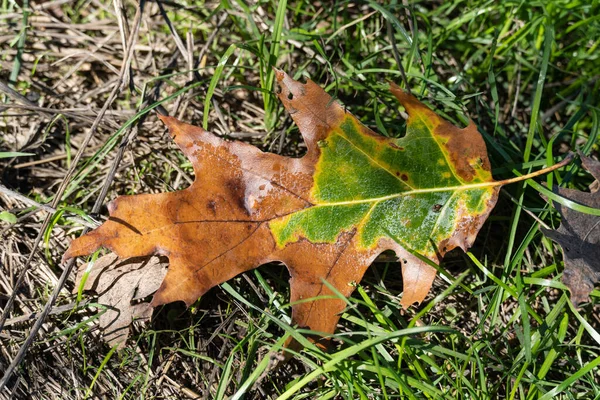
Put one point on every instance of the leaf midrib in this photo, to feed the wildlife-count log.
(410, 192)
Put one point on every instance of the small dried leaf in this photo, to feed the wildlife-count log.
(121, 286)
(579, 237)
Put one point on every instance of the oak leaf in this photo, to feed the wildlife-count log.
(579, 237)
(326, 215)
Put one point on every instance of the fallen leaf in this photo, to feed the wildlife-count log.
(579, 237)
(121, 286)
(326, 215)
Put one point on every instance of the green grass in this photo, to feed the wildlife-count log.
(498, 322)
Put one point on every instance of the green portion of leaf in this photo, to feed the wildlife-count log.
(408, 187)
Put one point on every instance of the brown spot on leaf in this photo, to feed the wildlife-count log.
(236, 189)
(212, 206)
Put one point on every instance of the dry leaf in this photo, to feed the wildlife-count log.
(121, 286)
(579, 237)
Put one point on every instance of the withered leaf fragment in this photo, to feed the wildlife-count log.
(579, 237)
(121, 286)
(326, 215)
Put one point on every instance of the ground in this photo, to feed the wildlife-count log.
(80, 84)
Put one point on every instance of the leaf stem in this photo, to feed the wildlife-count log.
(542, 171)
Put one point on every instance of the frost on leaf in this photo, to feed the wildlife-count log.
(326, 215)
